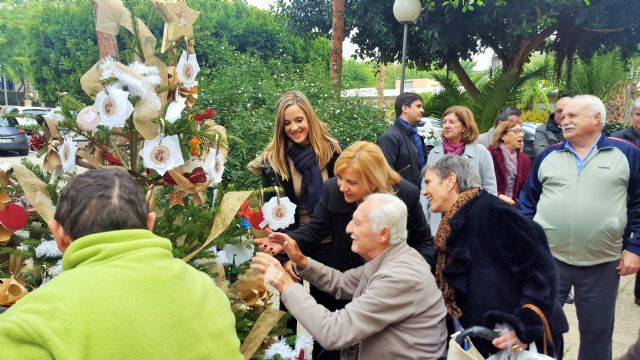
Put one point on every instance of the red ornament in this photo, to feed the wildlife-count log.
(208, 113)
(36, 142)
(13, 217)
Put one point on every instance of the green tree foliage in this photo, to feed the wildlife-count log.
(357, 74)
(446, 34)
(244, 91)
(599, 76)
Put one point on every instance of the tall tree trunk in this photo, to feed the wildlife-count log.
(337, 37)
(463, 77)
(380, 87)
(107, 44)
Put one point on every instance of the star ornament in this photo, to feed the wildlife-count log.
(178, 21)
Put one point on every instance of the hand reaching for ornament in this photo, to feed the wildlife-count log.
(271, 244)
(271, 271)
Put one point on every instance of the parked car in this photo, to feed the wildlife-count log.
(430, 129)
(27, 110)
(529, 135)
(12, 138)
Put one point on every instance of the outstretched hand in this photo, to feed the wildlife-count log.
(271, 271)
(268, 245)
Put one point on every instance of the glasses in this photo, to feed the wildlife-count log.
(516, 131)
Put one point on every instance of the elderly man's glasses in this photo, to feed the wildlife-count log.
(516, 131)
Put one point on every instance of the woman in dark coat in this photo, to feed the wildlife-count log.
(360, 170)
(491, 260)
(510, 164)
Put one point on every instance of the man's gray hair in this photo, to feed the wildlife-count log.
(595, 105)
(467, 177)
(504, 113)
(391, 212)
(636, 103)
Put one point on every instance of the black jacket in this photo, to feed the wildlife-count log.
(270, 179)
(547, 134)
(332, 215)
(400, 152)
(499, 261)
(628, 134)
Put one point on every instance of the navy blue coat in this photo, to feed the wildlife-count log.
(398, 148)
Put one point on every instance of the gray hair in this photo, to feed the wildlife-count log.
(467, 176)
(595, 105)
(505, 112)
(636, 103)
(389, 211)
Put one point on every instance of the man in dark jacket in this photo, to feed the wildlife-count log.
(402, 146)
(632, 133)
(551, 132)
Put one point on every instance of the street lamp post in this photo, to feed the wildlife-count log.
(406, 12)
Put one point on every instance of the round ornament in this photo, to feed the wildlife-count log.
(88, 119)
(279, 214)
(13, 217)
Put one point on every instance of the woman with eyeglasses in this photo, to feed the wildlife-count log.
(510, 164)
(459, 133)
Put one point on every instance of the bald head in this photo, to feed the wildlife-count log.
(560, 104)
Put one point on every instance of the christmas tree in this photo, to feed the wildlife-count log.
(145, 119)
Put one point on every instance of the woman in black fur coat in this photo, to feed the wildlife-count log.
(491, 261)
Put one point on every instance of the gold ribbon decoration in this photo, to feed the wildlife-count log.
(35, 190)
(178, 22)
(53, 138)
(228, 208)
(196, 190)
(190, 94)
(267, 320)
(6, 169)
(11, 291)
(110, 15)
(90, 81)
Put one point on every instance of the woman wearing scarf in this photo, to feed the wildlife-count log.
(459, 132)
(510, 164)
(299, 159)
(491, 261)
(300, 156)
(360, 170)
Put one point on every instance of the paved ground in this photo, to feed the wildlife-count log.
(627, 323)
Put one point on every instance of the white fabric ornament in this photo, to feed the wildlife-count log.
(174, 110)
(242, 254)
(214, 166)
(88, 119)
(286, 352)
(187, 69)
(162, 153)
(278, 216)
(114, 107)
(67, 152)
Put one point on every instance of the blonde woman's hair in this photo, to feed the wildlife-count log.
(370, 165)
(502, 129)
(470, 132)
(322, 143)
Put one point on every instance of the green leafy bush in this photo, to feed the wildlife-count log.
(244, 90)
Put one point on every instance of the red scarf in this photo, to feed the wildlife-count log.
(457, 149)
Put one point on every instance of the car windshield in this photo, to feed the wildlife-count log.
(5, 122)
(35, 111)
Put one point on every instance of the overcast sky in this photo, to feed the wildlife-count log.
(483, 61)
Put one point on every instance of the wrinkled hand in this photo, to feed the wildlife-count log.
(268, 246)
(629, 263)
(502, 342)
(290, 268)
(271, 271)
(506, 199)
(295, 255)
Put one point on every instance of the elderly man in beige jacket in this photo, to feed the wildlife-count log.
(396, 312)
